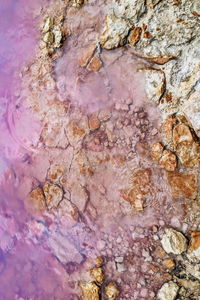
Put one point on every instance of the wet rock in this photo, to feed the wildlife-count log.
(168, 291)
(112, 291)
(154, 84)
(90, 291)
(114, 33)
(98, 274)
(183, 184)
(194, 247)
(174, 242)
(53, 195)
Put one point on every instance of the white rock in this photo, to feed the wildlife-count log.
(168, 291)
(174, 242)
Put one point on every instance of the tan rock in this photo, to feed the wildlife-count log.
(167, 128)
(182, 134)
(156, 151)
(155, 84)
(183, 184)
(174, 241)
(98, 274)
(168, 291)
(90, 291)
(114, 33)
(168, 160)
(135, 35)
(194, 247)
(112, 291)
(77, 3)
(53, 195)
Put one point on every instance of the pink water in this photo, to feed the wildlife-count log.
(24, 263)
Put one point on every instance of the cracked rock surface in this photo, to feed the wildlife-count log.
(108, 189)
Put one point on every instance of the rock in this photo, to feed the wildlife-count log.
(111, 291)
(86, 55)
(156, 151)
(135, 35)
(77, 3)
(93, 122)
(187, 149)
(53, 195)
(99, 261)
(95, 64)
(183, 184)
(98, 274)
(36, 201)
(114, 33)
(194, 247)
(168, 160)
(55, 172)
(168, 291)
(169, 263)
(90, 291)
(174, 242)
(154, 84)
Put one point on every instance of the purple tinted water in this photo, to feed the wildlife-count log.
(27, 270)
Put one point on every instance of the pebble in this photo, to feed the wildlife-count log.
(174, 241)
(168, 291)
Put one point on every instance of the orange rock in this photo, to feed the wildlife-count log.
(135, 35)
(53, 194)
(183, 184)
(169, 263)
(86, 55)
(168, 160)
(95, 64)
(195, 241)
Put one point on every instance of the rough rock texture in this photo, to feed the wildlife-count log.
(112, 177)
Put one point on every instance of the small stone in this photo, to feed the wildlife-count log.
(169, 263)
(194, 247)
(90, 291)
(98, 274)
(174, 242)
(168, 161)
(53, 195)
(114, 33)
(154, 131)
(111, 291)
(77, 3)
(168, 291)
(135, 35)
(48, 37)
